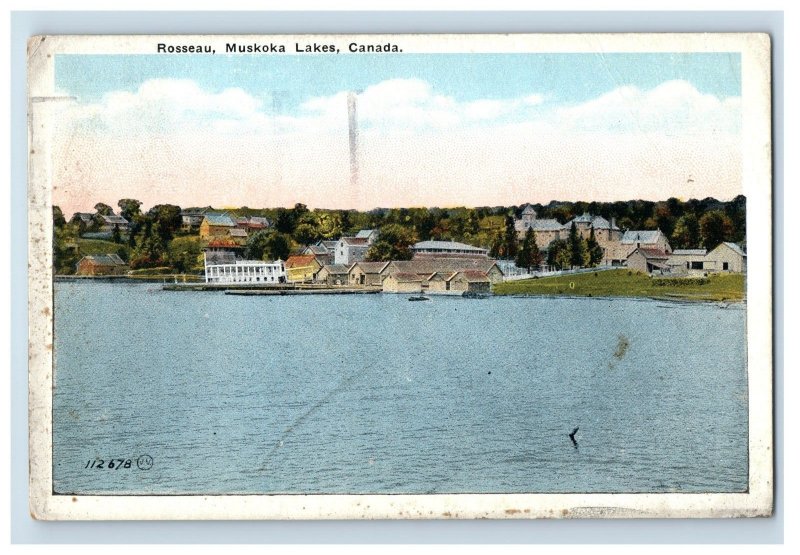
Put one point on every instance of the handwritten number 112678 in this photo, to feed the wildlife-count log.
(111, 464)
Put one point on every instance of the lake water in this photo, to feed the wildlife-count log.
(210, 393)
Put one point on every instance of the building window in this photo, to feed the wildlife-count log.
(697, 265)
(725, 266)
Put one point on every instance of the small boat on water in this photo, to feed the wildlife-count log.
(474, 295)
(419, 298)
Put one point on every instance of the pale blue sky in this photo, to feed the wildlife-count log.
(435, 129)
(560, 78)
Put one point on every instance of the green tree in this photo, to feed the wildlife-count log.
(284, 221)
(103, 209)
(525, 256)
(595, 250)
(715, 227)
(278, 247)
(149, 249)
(116, 236)
(687, 232)
(497, 248)
(305, 234)
(129, 208)
(394, 243)
(329, 225)
(185, 254)
(346, 223)
(267, 245)
(510, 239)
(58, 217)
(578, 252)
(257, 244)
(65, 254)
(169, 220)
(558, 253)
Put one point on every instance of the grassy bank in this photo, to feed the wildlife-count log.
(622, 283)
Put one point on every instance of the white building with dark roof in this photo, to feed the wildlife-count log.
(425, 249)
(350, 250)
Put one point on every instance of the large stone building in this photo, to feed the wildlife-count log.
(546, 230)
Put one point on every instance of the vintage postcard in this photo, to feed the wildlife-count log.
(440, 276)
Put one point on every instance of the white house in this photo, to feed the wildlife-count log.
(350, 250)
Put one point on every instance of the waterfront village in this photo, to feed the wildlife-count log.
(528, 247)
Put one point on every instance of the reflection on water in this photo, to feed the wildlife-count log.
(374, 394)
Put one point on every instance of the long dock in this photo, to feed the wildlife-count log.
(257, 292)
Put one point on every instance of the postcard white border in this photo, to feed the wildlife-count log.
(757, 182)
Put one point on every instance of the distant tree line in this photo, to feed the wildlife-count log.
(155, 237)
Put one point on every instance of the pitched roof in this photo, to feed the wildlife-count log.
(406, 276)
(428, 266)
(300, 260)
(597, 222)
(114, 219)
(528, 210)
(445, 276)
(356, 241)
(83, 216)
(735, 248)
(336, 268)
(258, 221)
(194, 211)
(364, 233)
(546, 224)
(471, 276)
(316, 249)
(237, 232)
(105, 259)
(689, 252)
(646, 237)
(446, 246)
(219, 220)
(328, 244)
(651, 253)
(371, 267)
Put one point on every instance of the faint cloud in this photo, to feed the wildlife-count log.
(673, 108)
